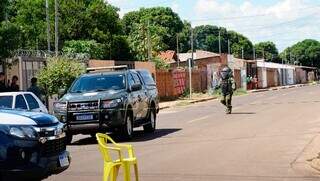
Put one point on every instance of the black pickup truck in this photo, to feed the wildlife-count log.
(104, 100)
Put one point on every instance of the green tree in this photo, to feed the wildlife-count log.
(78, 20)
(207, 38)
(59, 73)
(266, 50)
(160, 64)
(184, 38)
(91, 47)
(30, 16)
(10, 39)
(306, 52)
(162, 23)
(3, 9)
(239, 42)
(138, 40)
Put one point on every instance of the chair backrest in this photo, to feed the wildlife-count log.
(102, 141)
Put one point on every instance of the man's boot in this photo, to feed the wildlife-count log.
(229, 110)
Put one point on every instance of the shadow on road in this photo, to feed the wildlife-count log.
(142, 136)
(244, 113)
(139, 136)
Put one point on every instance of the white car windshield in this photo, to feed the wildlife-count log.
(6, 102)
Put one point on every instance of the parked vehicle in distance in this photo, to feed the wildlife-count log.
(106, 99)
(22, 101)
(32, 145)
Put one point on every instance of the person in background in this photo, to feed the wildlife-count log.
(34, 88)
(255, 82)
(3, 87)
(14, 87)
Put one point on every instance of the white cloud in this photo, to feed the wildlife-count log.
(297, 17)
(175, 7)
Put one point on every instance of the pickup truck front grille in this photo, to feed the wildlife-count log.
(82, 106)
(54, 147)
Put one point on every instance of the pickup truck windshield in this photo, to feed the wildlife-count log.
(99, 83)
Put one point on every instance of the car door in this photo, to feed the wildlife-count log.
(134, 96)
(34, 104)
(145, 97)
(142, 96)
(20, 103)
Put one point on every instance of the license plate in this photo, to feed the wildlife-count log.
(63, 160)
(84, 117)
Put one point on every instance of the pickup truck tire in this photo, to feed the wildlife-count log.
(127, 128)
(151, 126)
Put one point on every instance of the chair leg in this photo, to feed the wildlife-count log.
(136, 171)
(127, 172)
(107, 172)
(115, 172)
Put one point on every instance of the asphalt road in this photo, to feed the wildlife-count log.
(264, 139)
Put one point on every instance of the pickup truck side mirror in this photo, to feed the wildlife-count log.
(136, 87)
(61, 92)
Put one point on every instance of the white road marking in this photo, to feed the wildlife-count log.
(199, 119)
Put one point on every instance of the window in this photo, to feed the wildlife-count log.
(32, 102)
(6, 102)
(99, 82)
(136, 78)
(130, 80)
(20, 103)
(147, 78)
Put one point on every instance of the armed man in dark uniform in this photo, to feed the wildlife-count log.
(227, 85)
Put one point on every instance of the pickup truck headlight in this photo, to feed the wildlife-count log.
(60, 106)
(24, 132)
(111, 103)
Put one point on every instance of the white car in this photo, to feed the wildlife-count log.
(22, 101)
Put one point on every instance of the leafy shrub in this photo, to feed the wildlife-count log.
(59, 73)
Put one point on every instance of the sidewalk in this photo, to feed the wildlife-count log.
(181, 102)
(277, 88)
(206, 97)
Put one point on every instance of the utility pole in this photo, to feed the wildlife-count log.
(190, 70)
(219, 42)
(254, 53)
(229, 51)
(290, 58)
(56, 27)
(149, 42)
(48, 25)
(285, 56)
(242, 53)
(178, 61)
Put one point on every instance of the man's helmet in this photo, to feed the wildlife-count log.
(226, 73)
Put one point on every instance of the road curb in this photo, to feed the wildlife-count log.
(191, 102)
(278, 88)
(165, 107)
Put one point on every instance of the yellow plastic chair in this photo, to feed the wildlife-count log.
(111, 167)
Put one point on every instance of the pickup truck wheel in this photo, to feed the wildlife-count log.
(151, 126)
(127, 129)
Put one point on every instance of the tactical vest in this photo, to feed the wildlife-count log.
(226, 86)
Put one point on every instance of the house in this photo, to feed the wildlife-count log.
(201, 59)
(169, 56)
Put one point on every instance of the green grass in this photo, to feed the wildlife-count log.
(313, 83)
(183, 103)
(238, 92)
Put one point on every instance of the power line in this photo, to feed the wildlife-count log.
(249, 16)
(254, 28)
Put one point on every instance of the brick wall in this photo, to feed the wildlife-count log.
(171, 84)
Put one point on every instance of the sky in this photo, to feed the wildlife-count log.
(284, 22)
